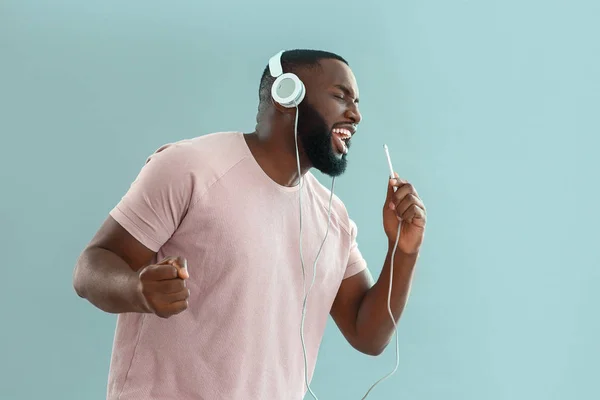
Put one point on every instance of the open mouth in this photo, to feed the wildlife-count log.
(340, 138)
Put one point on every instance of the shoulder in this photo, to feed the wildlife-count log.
(203, 155)
(190, 167)
(200, 149)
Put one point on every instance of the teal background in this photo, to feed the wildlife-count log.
(489, 107)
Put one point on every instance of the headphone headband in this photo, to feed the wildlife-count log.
(275, 65)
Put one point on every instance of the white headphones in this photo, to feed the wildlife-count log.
(287, 90)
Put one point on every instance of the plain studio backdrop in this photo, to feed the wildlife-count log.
(491, 109)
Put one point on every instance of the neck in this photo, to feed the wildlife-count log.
(273, 146)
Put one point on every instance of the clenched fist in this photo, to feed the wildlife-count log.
(163, 286)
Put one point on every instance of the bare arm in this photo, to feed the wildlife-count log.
(107, 272)
(360, 308)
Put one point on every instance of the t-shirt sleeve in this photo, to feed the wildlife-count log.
(356, 262)
(159, 197)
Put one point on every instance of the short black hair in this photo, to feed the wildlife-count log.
(291, 61)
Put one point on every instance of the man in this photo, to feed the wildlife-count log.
(201, 261)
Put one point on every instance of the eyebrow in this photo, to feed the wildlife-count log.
(347, 91)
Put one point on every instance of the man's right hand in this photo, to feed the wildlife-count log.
(163, 287)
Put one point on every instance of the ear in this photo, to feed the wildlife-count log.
(281, 109)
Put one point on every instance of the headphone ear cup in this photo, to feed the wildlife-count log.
(288, 90)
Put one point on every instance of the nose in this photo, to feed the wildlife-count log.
(353, 114)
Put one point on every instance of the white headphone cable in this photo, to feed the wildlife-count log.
(305, 294)
(301, 183)
(392, 176)
(391, 314)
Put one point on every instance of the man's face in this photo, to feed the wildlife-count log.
(328, 116)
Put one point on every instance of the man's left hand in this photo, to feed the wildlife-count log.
(404, 207)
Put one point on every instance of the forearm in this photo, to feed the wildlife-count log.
(374, 325)
(108, 282)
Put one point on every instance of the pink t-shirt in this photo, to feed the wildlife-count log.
(208, 200)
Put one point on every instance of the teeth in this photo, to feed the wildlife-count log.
(343, 132)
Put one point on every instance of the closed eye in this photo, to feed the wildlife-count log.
(346, 92)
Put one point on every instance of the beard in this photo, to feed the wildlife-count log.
(316, 139)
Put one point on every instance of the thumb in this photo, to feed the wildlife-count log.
(392, 184)
(180, 264)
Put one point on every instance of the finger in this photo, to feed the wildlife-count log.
(169, 298)
(402, 192)
(394, 185)
(181, 264)
(404, 204)
(420, 222)
(420, 218)
(390, 192)
(409, 213)
(414, 215)
(170, 286)
(397, 181)
(158, 272)
(403, 188)
(173, 309)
